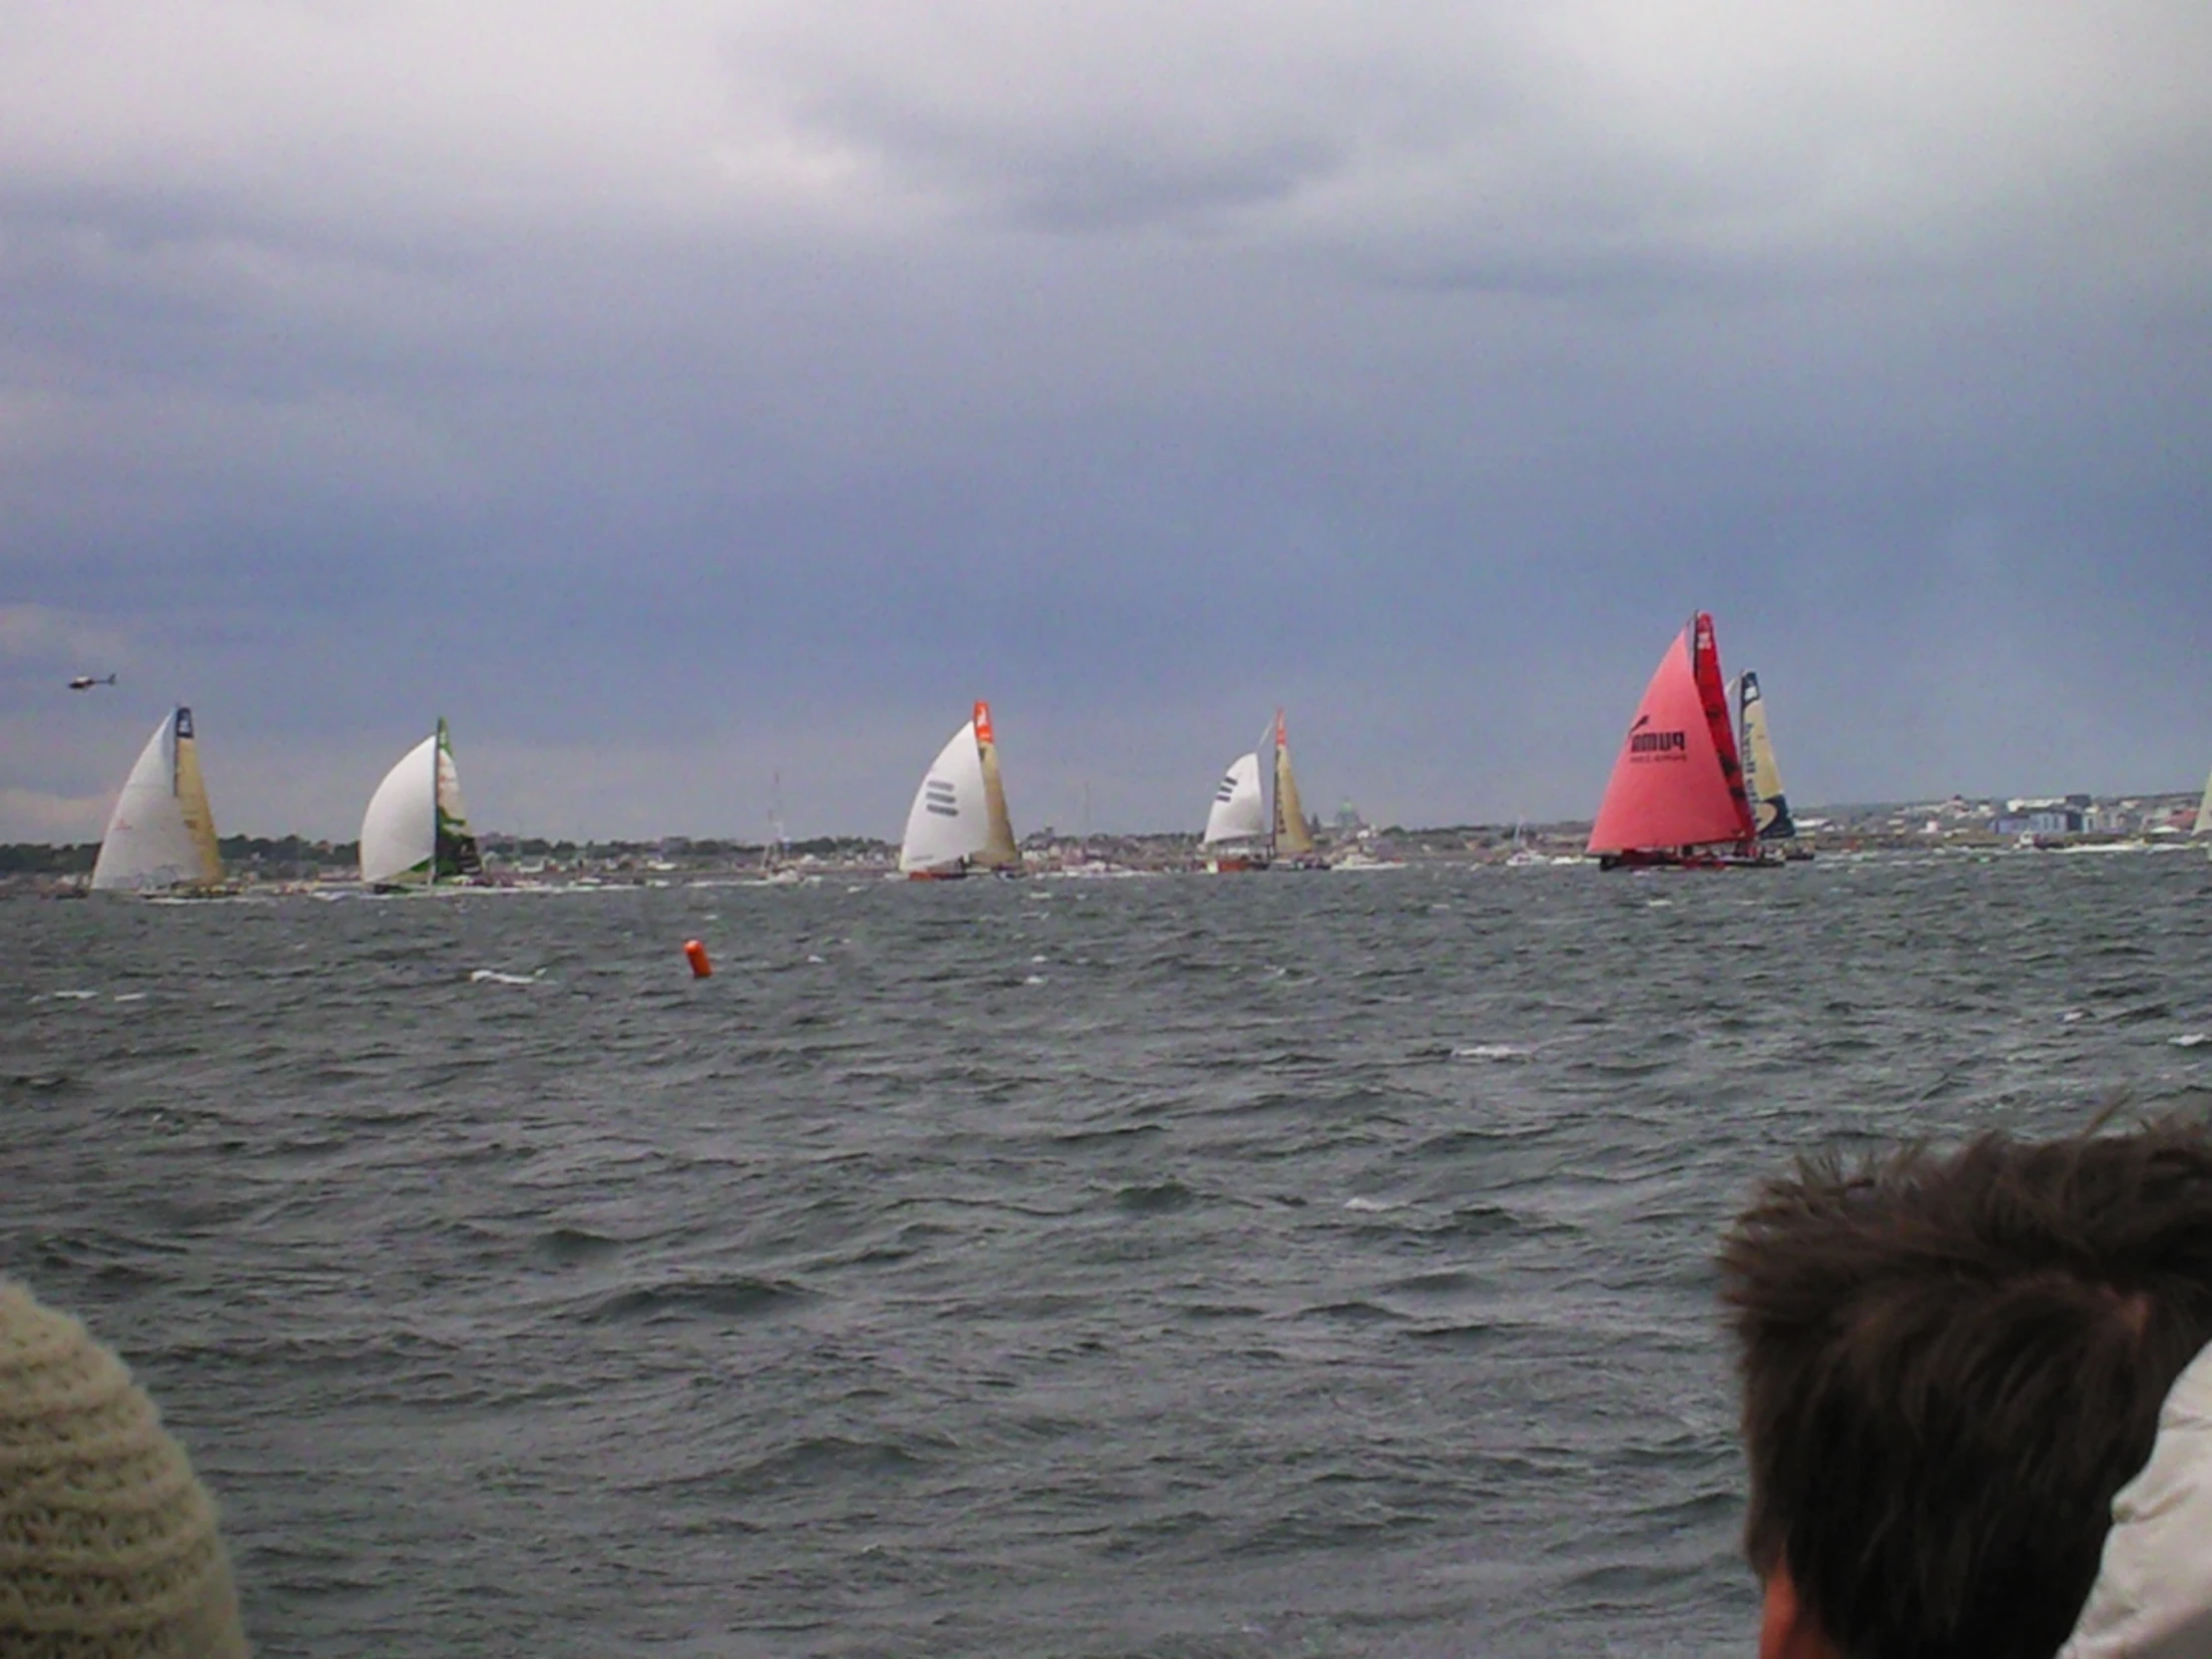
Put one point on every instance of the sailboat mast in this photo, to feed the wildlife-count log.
(438, 751)
(772, 855)
(1291, 834)
(1275, 791)
(999, 850)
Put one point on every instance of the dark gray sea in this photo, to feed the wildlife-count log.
(1309, 1264)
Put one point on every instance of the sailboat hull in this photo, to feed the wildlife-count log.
(1651, 858)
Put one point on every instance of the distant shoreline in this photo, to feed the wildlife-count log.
(272, 864)
(2160, 813)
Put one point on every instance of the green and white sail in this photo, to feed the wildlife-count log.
(160, 835)
(416, 833)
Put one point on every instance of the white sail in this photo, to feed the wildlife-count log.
(450, 808)
(1770, 802)
(949, 824)
(1239, 812)
(400, 833)
(2204, 811)
(161, 834)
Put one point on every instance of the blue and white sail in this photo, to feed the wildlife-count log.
(1770, 802)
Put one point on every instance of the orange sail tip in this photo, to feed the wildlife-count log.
(696, 954)
(983, 724)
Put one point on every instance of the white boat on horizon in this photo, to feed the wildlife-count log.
(776, 869)
(1358, 859)
(1525, 856)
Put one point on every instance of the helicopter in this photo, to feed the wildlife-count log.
(85, 682)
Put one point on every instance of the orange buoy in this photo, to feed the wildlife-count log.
(696, 954)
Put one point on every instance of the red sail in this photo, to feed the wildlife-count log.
(1712, 690)
(1678, 781)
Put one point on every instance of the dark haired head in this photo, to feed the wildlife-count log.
(1950, 1364)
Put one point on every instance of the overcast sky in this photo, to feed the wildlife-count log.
(680, 395)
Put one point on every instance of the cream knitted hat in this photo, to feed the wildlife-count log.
(108, 1544)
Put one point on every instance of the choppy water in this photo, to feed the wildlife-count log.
(1280, 1265)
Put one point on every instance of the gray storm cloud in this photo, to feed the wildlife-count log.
(673, 396)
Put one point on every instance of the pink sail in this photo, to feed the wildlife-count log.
(1678, 781)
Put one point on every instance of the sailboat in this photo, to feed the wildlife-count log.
(160, 835)
(1676, 795)
(416, 833)
(1250, 832)
(959, 820)
(1770, 804)
(1237, 824)
(1293, 841)
(2203, 826)
(775, 855)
